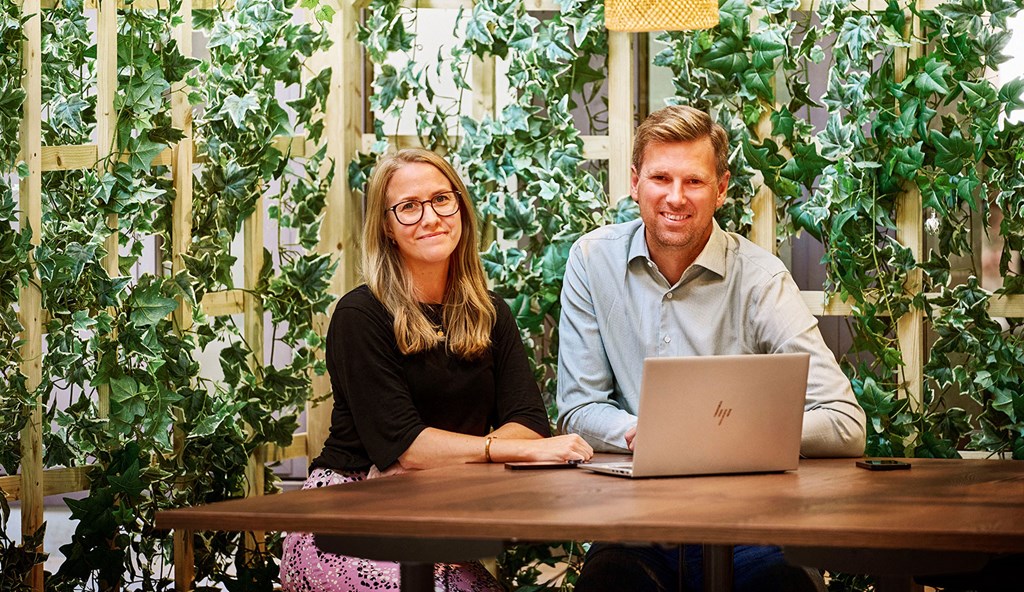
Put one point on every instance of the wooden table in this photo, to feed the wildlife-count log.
(828, 510)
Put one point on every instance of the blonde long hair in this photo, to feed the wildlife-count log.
(469, 314)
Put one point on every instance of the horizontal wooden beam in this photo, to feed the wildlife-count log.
(531, 5)
(69, 158)
(55, 481)
(594, 147)
(62, 480)
(537, 5)
(218, 304)
(1010, 306)
(149, 4)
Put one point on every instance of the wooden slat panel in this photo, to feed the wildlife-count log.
(181, 166)
(30, 300)
(228, 302)
(762, 230)
(910, 328)
(252, 331)
(594, 147)
(620, 114)
(820, 306)
(535, 5)
(151, 4)
(343, 119)
(55, 482)
(184, 560)
(106, 124)
(1011, 306)
(69, 158)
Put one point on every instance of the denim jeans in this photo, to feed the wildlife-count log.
(614, 567)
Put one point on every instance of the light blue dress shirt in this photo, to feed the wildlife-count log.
(736, 298)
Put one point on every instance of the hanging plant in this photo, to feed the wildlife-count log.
(113, 331)
(524, 167)
(936, 129)
(14, 242)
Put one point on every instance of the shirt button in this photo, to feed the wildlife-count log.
(668, 339)
(669, 295)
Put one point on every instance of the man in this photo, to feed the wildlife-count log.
(675, 284)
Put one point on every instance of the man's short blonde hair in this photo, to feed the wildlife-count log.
(681, 123)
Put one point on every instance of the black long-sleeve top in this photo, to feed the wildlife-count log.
(383, 399)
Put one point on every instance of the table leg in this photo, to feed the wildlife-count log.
(417, 577)
(717, 568)
(184, 561)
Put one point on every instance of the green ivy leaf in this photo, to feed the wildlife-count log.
(727, 56)
(237, 108)
(123, 389)
(951, 152)
(906, 161)
(143, 151)
(768, 45)
(978, 94)
(932, 77)
(149, 307)
(144, 94)
(760, 83)
(1010, 95)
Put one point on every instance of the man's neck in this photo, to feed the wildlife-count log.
(672, 262)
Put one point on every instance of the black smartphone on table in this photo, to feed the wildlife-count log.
(879, 464)
(527, 465)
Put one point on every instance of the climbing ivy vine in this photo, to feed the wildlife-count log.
(888, 121)
(832, 109)
(171, 435)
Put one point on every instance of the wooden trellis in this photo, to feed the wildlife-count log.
(344, 135)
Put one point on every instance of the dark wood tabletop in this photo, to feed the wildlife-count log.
(950, 505)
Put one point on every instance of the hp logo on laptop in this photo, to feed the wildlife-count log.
(721, 413)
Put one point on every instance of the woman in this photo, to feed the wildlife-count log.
(424, 363)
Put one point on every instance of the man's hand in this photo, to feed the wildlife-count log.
(631, 438)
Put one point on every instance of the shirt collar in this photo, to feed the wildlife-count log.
(711, 258)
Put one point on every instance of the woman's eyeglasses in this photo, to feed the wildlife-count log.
(410, 212)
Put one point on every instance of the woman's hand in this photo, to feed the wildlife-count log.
(558, 448)
(394, 469)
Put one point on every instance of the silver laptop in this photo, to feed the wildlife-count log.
(706, 415)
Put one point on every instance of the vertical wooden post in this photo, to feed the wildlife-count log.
(30, 301)
(620, 114)
(181, 238)
(481, 74)
(184, 560)
(909, 232)
(762, 230)
(252, 309)
(340, 232)
(181, 118)
(106, 126)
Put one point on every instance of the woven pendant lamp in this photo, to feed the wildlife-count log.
(660, 15)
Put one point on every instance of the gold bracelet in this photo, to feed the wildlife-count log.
(487, 448)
